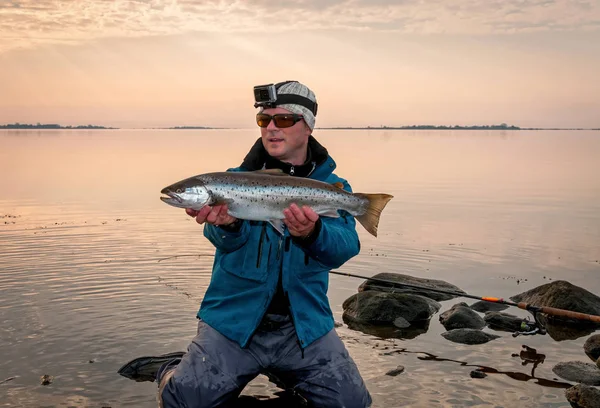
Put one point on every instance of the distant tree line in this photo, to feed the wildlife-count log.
(502, 126)
(50, 126)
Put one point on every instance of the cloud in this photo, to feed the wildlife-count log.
(26, 23)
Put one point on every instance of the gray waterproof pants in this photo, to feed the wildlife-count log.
(215, 369)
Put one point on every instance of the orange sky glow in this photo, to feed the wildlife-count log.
(163, 63)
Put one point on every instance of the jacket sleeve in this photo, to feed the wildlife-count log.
(227, 241)
(335, 240)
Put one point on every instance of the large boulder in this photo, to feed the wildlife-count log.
(411, 280)
(563, 295)
(460, 316)
(583, 396)
(592, 347)
(382, 308)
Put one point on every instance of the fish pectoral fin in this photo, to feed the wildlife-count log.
(278, 225)
(330, 213)
(271, 172)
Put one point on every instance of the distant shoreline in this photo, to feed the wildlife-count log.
(411, 127)
(431, 127)
(51, 126)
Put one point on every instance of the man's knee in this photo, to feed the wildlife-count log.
(339, 386)
(179, 387)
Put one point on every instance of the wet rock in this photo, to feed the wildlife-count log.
(483, 306)
(460, 316)
(503, 321)
(382, 308)
(395, 371)
(411, 280)
(477, 374)
(401, 323)
(337, 324)
(583, 396)
(592, 347)
(469, 336)
(578, 371)
(563, 295)
(46, 379)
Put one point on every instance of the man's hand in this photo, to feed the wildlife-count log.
(215, 215)
(300, 221)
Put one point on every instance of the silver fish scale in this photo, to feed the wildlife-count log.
(249, 197)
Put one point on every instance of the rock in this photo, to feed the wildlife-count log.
(460, 316)
(46, 379)
(469, 336)
(592, 347)
(483, 306)
(382, 308)
(578, 371)
(598, 363)
(401, 323)
(395, 371)
(477, 374)
(583, 396)
(563, 295)
(337, 324)
(503, 321)
(400, 278)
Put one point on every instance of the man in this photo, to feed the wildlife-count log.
(266, 308)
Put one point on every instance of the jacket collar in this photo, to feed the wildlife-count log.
(258, 158)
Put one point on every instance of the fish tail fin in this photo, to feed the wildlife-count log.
(370, 219)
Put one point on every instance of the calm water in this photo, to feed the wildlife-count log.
(85, 284)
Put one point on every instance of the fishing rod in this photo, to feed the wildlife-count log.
(534, 310)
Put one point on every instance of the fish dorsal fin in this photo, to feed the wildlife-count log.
(338, 184)
(271, 172)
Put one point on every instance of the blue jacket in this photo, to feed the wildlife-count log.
(248, 262)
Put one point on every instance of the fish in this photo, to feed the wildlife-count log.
(262, 195)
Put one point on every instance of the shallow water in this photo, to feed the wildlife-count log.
(95, 270)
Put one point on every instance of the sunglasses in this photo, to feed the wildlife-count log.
(281, 120)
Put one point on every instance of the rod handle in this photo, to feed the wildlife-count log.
(562, 312)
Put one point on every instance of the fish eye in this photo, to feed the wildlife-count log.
(179, 191)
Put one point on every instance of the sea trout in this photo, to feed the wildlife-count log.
(263, 195)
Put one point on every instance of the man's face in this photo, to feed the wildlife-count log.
(286, 144)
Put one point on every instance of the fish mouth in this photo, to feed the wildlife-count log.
(170, 197)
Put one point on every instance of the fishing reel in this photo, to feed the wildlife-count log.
(529, 328)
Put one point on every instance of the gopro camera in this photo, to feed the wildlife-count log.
(265, 95)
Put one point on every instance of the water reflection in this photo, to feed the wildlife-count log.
(389, 332)
(530, 354)
(95, 267)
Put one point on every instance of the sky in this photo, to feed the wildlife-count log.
(161, 63)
